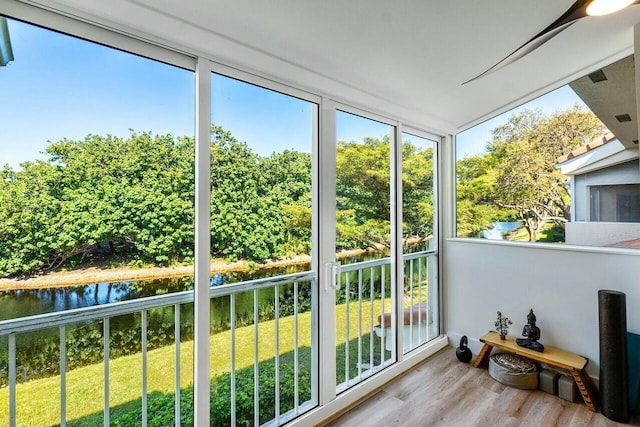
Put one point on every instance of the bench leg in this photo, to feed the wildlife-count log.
(586, 389)
(483, 355)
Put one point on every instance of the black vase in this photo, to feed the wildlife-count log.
(612, 316)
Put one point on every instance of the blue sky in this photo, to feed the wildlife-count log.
(61, 87)
(268, 121)
(474, 140)
(350, 127)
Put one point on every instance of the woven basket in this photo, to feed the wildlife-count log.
(514, 371)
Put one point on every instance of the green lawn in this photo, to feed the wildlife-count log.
(38, 401)
(550, 233)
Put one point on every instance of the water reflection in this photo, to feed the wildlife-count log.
(29, 302)
(499, 230)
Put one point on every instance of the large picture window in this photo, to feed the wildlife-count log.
(615, 203)
(536, 173)
(96, 208)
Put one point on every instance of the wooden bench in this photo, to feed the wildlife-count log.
(551, 356)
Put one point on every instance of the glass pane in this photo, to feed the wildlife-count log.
(420, 279)
(363, 239)
(418, 208)
(96, 194)
(363, 189)
(263, 360)
(558, 169)
(615, 203)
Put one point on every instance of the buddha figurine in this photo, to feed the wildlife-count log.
(532, 334)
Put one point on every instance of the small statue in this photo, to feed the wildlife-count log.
(532, 332)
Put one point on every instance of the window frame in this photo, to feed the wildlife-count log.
(124, 39)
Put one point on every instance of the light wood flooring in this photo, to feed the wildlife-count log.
(445, 392)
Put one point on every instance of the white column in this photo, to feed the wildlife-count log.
(202, 375)
(397, 264)
(327, 236)
(447, 215)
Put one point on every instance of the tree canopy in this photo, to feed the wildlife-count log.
(517, 178)
(134, 197)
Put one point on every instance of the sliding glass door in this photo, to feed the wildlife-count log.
(263, 271)
(364, 307)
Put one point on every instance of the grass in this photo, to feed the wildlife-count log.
(551, 233)
(38, 401)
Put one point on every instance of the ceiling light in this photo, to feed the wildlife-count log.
(605, 7)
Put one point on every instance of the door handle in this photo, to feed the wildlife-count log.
(333, 271)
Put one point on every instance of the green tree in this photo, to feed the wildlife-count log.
(134, 194)
(417, 193)
(257, 203)
(363, 192)
(525, 150)
(287, 177)
(134, 197)
(475, 190)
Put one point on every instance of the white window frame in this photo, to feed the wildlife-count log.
(323, 189)
(438, 142)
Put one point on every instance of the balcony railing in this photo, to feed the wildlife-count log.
(366, 334)
(266, 326)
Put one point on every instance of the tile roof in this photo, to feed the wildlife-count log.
(628, 244)
(590, 146)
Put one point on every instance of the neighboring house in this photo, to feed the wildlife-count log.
(605, 194)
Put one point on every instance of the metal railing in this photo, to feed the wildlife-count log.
(369, 346)
(279, 316)
(365, 294)
(263, 312)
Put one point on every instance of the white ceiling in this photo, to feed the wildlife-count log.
(404, 57)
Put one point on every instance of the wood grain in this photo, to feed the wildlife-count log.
(445, 392)
(551, 355)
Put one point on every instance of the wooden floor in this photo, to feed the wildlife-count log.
(445, 392)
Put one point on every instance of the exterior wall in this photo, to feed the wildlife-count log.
(626, 173)
(560, 283)
(600, 233)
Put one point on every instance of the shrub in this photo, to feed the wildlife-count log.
(161, 406)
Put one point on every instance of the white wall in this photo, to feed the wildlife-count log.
(560, 283)
(600, 233)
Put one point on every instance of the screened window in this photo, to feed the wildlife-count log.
(615, 203)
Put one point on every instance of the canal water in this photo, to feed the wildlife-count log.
(500, 229)
(29, 302)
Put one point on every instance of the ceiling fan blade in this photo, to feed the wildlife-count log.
(577, 11)
(523, 50)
